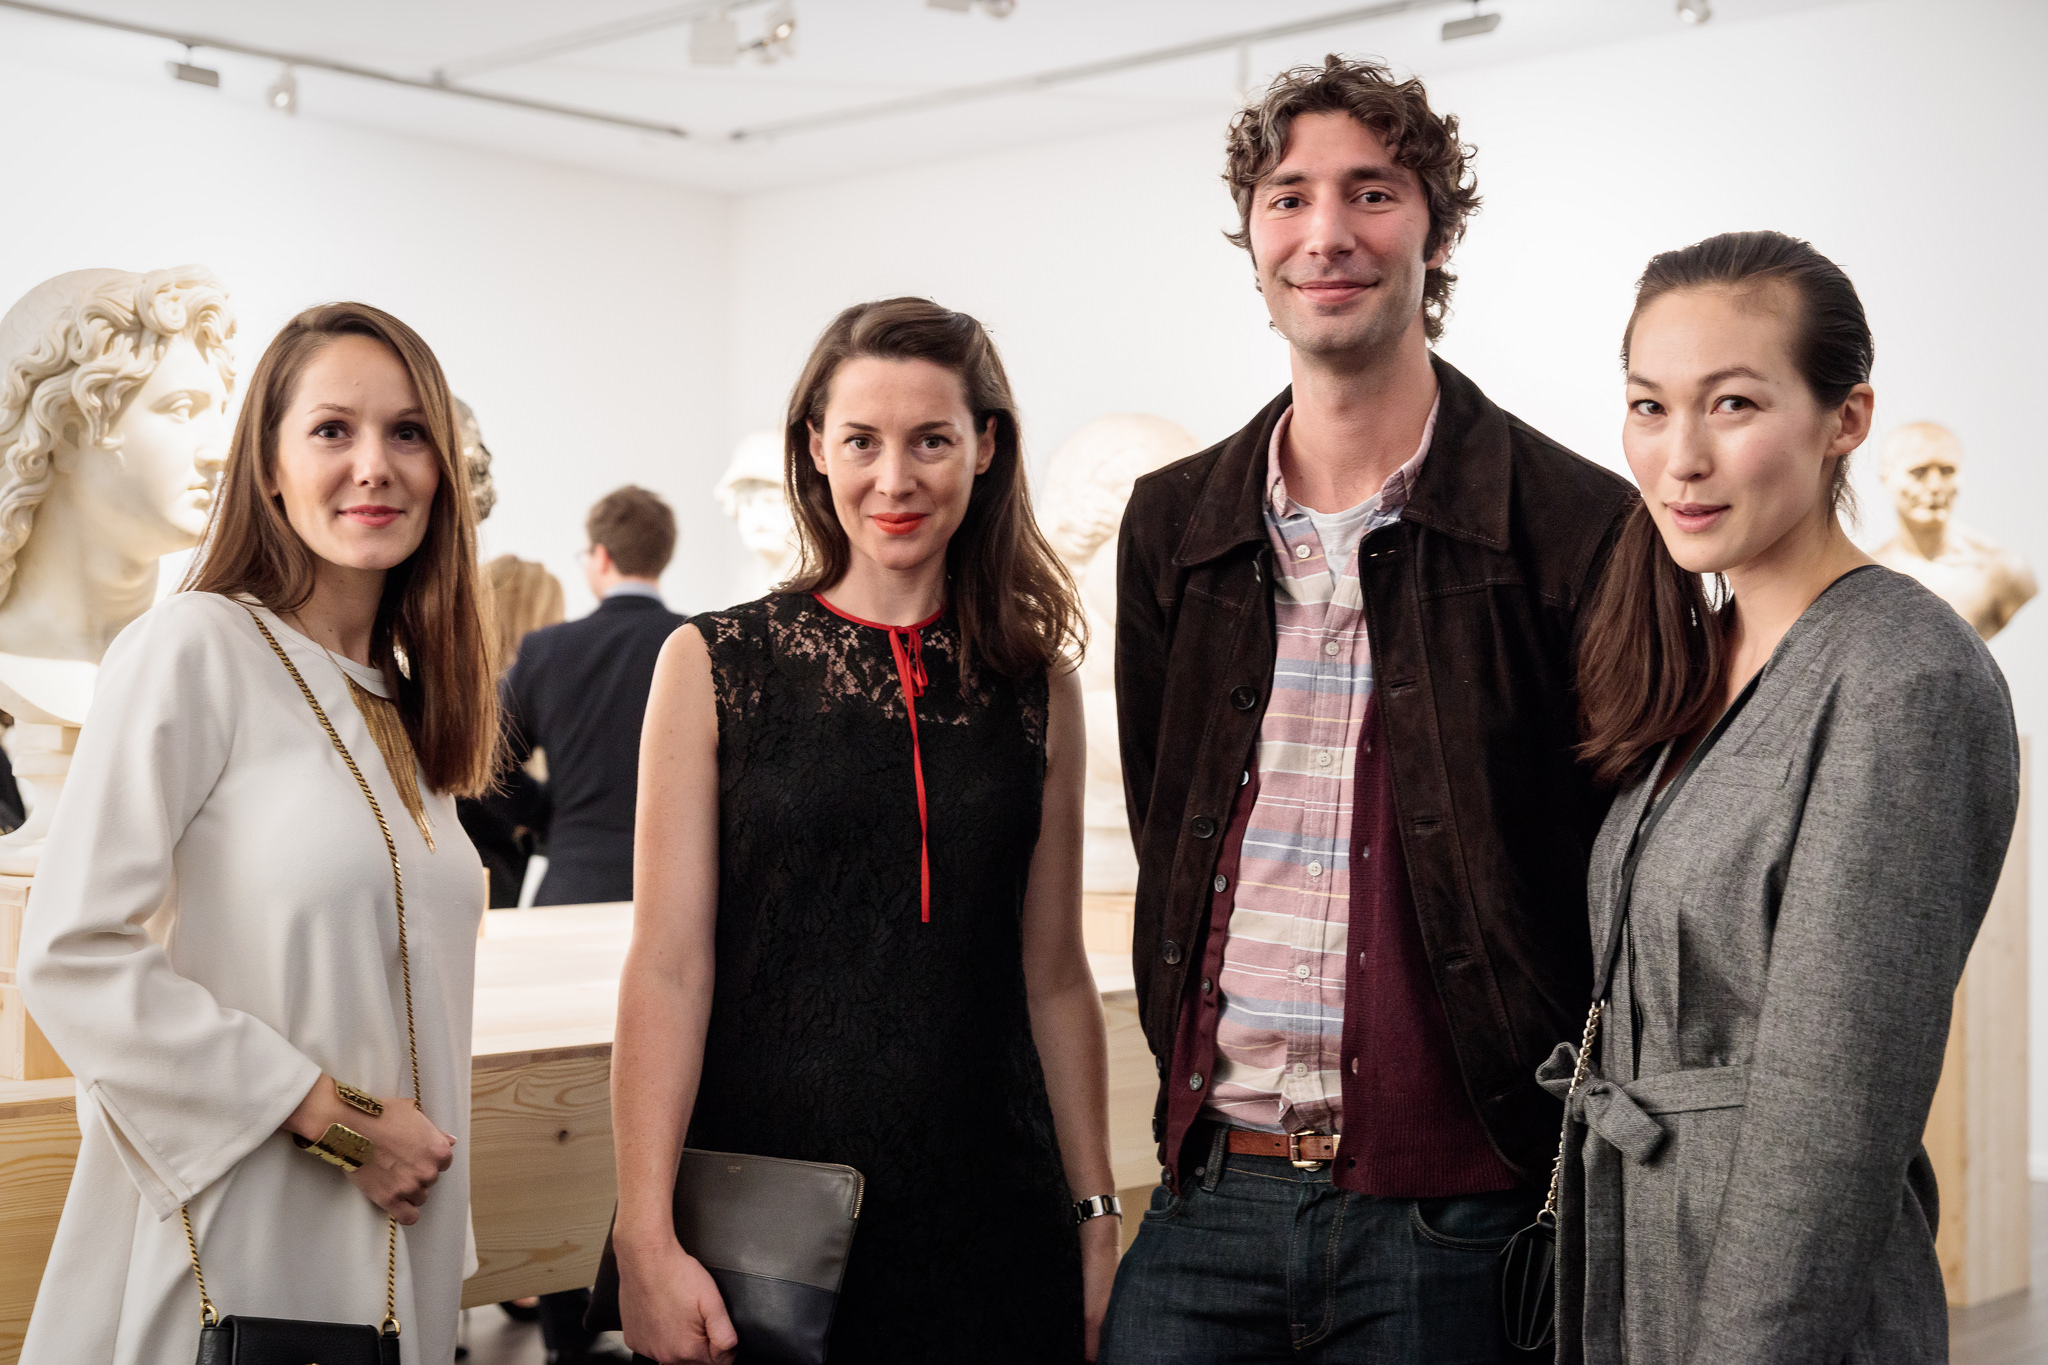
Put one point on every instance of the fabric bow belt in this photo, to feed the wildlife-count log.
(1623, 1115)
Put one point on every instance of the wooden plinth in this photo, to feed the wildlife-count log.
(25, 1055)
(1977, 1131)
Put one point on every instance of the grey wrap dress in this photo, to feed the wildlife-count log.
(1743, 1177)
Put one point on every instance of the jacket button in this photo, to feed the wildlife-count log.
(1222, 883)
(1170, 953)
(1207, 985)
(1203, 827)
(1195, 1081)
(1244, 698)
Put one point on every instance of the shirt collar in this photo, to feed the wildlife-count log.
(1393, 494)
(629, 588)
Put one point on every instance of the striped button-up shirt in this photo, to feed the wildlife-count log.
(1279, 1033)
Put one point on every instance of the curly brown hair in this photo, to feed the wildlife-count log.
(1397, 112)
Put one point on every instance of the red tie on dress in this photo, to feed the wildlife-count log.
(906, 644)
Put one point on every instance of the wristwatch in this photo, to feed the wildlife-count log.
(340, 1146)
(1095, 1206)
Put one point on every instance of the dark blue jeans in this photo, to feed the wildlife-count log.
(1259, 1261)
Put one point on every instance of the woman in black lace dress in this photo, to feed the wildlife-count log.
(857, 931)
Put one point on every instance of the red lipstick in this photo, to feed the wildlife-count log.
(899, 523)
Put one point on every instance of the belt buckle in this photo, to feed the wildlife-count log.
(1294, 1150)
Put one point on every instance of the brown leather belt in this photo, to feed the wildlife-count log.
(1305, 1149)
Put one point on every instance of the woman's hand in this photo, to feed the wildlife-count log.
(411, 1150)
(670, 1308)
(1101, 1244)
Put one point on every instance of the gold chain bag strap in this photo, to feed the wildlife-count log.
(1528, 1299)
(260, 1341)
(1528, 1272)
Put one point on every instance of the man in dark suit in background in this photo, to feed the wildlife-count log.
(577, 694)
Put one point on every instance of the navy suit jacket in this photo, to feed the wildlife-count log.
(578, 690)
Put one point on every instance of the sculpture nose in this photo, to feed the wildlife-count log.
(210, 459)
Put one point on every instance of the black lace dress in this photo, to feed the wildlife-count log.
(844, 1026)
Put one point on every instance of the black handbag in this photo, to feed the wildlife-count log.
(289, 1341)
(775, 1235)
(1528, 1281)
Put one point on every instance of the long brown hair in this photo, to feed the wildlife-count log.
(1013, 598)
(431, 637)
(1652, 654)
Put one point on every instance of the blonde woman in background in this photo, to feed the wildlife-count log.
(524, 597)
(502, 824)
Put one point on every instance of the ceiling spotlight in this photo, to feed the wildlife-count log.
(197, 75)
(1695, 11)
(778, 34)
(1471, 26)
(283, 94)
(715, 40)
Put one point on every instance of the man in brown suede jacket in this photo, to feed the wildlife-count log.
(1344, 679)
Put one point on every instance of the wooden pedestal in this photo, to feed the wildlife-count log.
(1977, 1131)
(25, 1055)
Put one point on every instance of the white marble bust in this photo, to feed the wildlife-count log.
(1922, 465)
(750, 492)
(113, 429)
(1087, 483)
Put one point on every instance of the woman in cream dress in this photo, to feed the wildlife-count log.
(213, 942)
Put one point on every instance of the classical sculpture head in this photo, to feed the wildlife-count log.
(1919, 465)
(476, 457)
(1089, 478)
(750, 492)
(113, 396)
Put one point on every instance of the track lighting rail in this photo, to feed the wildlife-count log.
(194, 41)
(1040, 80)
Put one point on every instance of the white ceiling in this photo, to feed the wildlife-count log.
(849, 54)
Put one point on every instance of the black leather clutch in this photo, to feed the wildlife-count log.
(775, 1235)
(279, 1341)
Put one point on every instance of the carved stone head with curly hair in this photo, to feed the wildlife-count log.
(113, 396)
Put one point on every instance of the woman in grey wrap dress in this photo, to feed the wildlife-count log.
(1817, 781)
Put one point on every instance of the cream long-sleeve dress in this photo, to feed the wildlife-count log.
(212, 927)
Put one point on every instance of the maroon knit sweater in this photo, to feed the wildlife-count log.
(1410, 1130)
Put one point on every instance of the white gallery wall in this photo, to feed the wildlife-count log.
(1903, 137)
(610, 330)
(580, 314)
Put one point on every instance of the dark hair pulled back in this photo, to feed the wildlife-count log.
(1652, 661)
